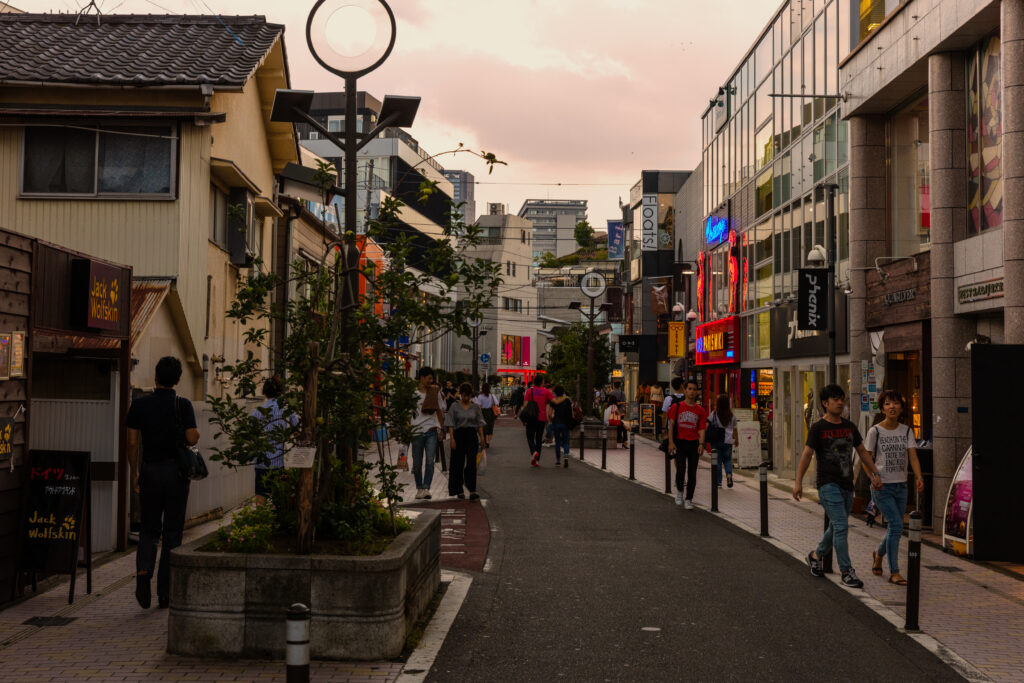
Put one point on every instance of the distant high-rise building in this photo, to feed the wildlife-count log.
(554, 221)
(465, 191)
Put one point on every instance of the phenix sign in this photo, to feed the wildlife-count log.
(812, 304)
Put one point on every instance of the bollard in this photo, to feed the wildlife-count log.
(668, 473)
(826, 561)
(763, 478)
(632, 455)
(913, 571)
(297, 644)
(604, 448)
(583, 432)
(714, 481)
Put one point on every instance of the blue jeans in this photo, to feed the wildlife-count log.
(837, 502)
(561, 433)
(724, 451)
(891, 500)
(548, 431)
(424, 442)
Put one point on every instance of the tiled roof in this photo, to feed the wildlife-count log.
(133, 49)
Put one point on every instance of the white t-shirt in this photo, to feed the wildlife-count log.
(729, 428)
(423, 422)
(667, 403)
(889, 449)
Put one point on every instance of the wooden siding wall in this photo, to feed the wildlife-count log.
(15, 289)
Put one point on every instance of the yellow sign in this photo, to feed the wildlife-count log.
(676, 339)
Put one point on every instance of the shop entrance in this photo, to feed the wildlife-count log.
(903, 373)
(718, 382)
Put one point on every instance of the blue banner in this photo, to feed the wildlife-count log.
(616, 241)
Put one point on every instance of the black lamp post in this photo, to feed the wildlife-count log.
(593, 285)
(474, 325)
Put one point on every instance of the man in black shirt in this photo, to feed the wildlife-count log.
(158, 422)
(833, 439)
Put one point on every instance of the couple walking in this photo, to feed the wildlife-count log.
(554, 408)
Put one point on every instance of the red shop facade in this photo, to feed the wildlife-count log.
(718, 358)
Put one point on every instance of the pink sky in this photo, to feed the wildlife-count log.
(589, 92)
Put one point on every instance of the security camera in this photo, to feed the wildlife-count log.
(817, 255)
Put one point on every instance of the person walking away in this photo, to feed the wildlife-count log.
(657, 398)
(617, 393)
(832, 440)
(426, 423)
(517, 397)
(487, 402)
(535, 428)
(613, 417)
(272, 416)
(560, 419)
(892, 445)
(465, 423)
(688, 422)
(724, 419)
(157, 424)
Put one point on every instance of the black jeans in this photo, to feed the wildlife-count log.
(163, 497)
(688, 453)
(535, 436)
(463, 464)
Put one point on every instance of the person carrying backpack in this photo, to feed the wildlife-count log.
(533, 414)
(687, 422)
(721, 435)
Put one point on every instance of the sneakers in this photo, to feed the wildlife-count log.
(679, 497)
(460, 496)
(426, 494)
(558, 462)
(548, 443)
(474, 496)
(815, 564)
(419, 493)
(728, 479)
(688, 504)
(850, 579)
(536, 459)
(142, 590)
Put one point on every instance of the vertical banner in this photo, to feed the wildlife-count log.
(812, 304)
(616, 241)
(649, 223)
(676, 339)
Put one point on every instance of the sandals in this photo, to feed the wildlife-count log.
(897, 579)
(876, 563)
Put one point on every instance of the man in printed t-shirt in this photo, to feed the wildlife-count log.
(832, 440)
(687, 421)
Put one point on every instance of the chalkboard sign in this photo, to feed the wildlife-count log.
(647, 417)
(55, 520)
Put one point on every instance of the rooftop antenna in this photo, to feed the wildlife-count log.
(85, 10)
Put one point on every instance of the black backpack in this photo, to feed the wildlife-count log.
(663, 446)
(530, 412)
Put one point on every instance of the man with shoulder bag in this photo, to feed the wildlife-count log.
(158, 425)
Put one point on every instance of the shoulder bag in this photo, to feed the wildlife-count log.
(531, 411)
(715, 432)
(190, 460)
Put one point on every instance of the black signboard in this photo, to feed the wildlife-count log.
(629, 343)
(789, 341)
(55, 520)
(812, 302)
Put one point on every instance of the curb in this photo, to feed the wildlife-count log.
(422, 658)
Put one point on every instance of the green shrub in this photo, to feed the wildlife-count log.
(250, 531)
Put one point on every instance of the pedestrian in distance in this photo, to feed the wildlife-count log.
(832, 441)
(617, 393)
(488, 402)
(517, 397)
(560, 418)
(657, 398)
(535, 419)
(688, 421)
(465, 423)
(271, 414)
(677, 394)
(892, 446)
(158, 423)
(426, 423)
(723, 421)
(613, 417)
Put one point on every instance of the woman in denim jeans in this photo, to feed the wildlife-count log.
(891, 445)
(560, 419)
(723, 417)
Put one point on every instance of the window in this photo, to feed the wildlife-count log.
(113, 161)
(218, 217)
(513, 270)
(764, 192)
(313, 135)
(910, 189)
(984, 138)
(335, 124)
(508, 267)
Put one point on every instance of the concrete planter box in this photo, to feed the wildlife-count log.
(234, 605)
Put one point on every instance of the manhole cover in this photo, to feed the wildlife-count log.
(942, 568)
(49, 621)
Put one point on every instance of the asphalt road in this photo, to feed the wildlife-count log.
(592, 578)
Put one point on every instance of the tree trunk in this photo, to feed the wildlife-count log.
(305, 492)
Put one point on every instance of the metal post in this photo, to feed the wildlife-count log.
(583, 435)
(632, 455)
(830, 210)
(476, 379)
(914, 572)
(604, 448)
(714, 481)
(762, 476)
(589, 398)
(668, 472)
(297, 644)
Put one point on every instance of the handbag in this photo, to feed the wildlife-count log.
(190, 460)
(497, 410)
(715, 432)
(530, 412)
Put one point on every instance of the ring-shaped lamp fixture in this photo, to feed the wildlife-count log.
(350, 38)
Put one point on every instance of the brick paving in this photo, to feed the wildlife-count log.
(974, 611)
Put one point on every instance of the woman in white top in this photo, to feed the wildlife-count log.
(487, 402)
(892, 445)
(724, 419)
(613, 417)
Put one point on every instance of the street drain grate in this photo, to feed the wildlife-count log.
(942, 568)
(48, 621)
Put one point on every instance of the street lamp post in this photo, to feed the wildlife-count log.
(474, 325)
(593, 285)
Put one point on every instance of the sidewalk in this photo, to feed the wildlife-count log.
(974, 612)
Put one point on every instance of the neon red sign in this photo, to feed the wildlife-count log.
(717, 342)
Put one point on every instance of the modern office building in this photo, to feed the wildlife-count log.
(554, 221)
(464, 193)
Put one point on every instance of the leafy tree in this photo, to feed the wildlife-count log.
(340, 362)
(584, 235)
(567, 358)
